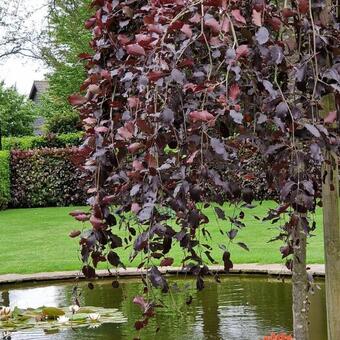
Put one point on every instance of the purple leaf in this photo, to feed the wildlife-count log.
(243, 245)
(287, 189)
(157, 280)
(262, 35)
(270, 88)
(113, 258)
(232, 233)
(313, 130)
(236, 116)
(282, 109)
(276, 54)
(219, 148)
(89, 272)
(227, 262)
(220, 213)
(178, 76)
(135, 50)
(167, 116)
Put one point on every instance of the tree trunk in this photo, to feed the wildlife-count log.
(300, 288)
(331, 222)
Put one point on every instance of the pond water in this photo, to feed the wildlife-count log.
(240, 307)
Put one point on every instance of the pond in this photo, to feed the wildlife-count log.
(240, 307)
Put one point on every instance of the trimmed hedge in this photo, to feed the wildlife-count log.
(47, 177)
(5, 190)
(38, 142)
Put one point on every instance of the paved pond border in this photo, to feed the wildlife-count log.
(258, 269)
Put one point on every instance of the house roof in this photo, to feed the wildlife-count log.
(39, 86)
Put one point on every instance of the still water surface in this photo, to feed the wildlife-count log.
(239, 307)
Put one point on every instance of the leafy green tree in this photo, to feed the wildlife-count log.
(66, 39)
(59, 117)
(17, 114)
(63, 122)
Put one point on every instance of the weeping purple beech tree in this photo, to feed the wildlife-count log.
(175, 89)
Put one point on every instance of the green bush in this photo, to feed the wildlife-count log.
(5, 194)
(47, 177)
(63, 122)
(17, 113)
(37, 142)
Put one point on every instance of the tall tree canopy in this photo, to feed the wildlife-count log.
(65, 39)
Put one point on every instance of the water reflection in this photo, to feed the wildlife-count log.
(52, 296)
(209, 311)
(238, 308)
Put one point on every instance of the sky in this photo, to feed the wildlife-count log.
(21, 72)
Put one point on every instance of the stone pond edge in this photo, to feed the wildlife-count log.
(317, 270)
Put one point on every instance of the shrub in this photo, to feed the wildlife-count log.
(58, 141)
(47, 177)
(5, 194)
(63, 122)
(37, 142)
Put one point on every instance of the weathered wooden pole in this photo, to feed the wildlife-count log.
(331, 217)
(331, 221)
(299, 283)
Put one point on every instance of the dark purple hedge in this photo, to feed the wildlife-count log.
(47, 177)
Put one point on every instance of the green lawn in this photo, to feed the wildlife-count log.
(36, 240)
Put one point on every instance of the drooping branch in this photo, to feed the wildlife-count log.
(176, 91)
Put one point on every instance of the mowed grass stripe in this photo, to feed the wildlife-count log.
(36, 240)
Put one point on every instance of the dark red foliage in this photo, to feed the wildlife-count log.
(172, 96)
(75, 233)
(48, 177)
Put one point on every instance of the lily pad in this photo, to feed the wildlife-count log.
(86, 310)
(79, 316)
(52, 319)
(52, 313)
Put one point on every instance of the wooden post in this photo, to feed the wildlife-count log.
(299, 283)
(331, 221)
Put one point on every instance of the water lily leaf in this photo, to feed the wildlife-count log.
(52, 312)
(17, 312)
(80, 316)
(86, 310)
(46, 318)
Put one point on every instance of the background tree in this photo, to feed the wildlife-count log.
(18, 36)
(65, 39)
(17, 114)
(59, 116)
(57, 45)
